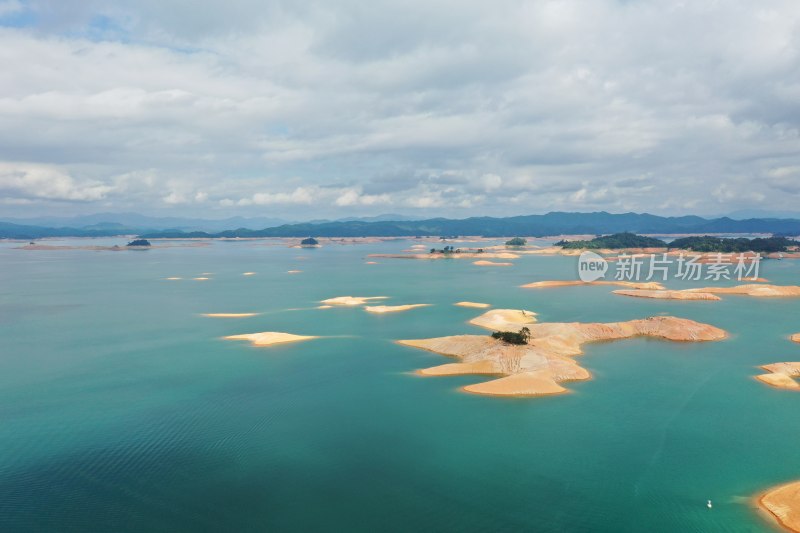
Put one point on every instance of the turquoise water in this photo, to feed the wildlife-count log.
(121, 409)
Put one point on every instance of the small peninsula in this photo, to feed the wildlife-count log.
(539, 367)
(781, 375)
(782, 503)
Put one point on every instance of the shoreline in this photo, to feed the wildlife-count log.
(767, 513)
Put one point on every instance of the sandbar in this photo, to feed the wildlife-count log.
(782, 503)
(781, 375)
(173, 278)
(268, 338)
(229, 315)
(201, 278)
(392, 308)
(293, 271)
(764, 291)
(248, 273)
(491, 263)
(351, 300)
(539, 367)
(795, 337)
(650, 285)
(505, 319)
(472, 304)
(454, 255)
(667, 294)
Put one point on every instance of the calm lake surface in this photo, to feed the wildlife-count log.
(121, 409)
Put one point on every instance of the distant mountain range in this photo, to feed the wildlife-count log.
(555, 223)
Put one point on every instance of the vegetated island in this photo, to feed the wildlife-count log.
(781, 375)
(536, 358)
(139, 243)
(782, 503)
(309, 242)
(764, 245)
(517, 241)
(616, 241)
(701, 244)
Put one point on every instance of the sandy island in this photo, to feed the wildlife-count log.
(351, 300)
(491, 263)
(668, 295)
(505, 319)
(173, 278)
(650, 285)
(201, 278)
(538, 368)
(229, 315)
(781, 375)
(392, 308)
(460, 255)
(268, 338)
(764, 291)
(248, 273)
(782, 503)
(472, 304)
(795, 337)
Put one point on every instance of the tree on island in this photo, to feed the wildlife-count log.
(139, 242)
(311, 241)
(513, 337)
(517, 241)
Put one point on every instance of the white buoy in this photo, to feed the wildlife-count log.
(709, 504)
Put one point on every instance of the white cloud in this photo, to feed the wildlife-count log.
(322, 109)
(35, 181)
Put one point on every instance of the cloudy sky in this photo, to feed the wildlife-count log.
(304, 109)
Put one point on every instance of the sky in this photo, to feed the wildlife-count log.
(308, 109)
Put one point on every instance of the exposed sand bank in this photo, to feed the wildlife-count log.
(668, 295)
(293, 271)
(173, 278)
(351, 300)
(650, 285)
(795, 337)
(392, 308)
(268, 338)
(229, 315)
(472, 304)
(781, 375)
(505, 319)
(523, 384)
(491, 263)
(782, 503)
(764, 291)
(539, 367)
(460, 255)
(248, 273)
(201, 278)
